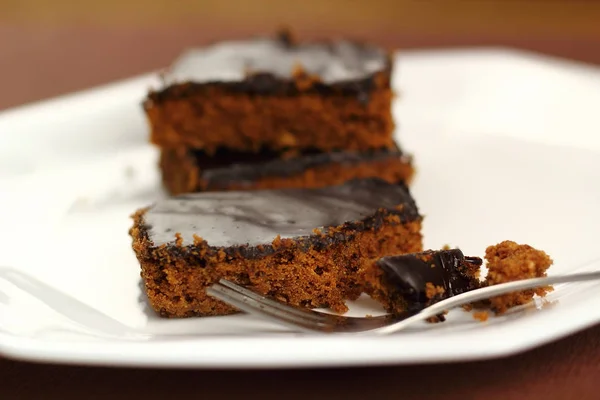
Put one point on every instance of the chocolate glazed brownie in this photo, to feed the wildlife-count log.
(186, 170)
(306, 247)
(277, 94)
(411, 282)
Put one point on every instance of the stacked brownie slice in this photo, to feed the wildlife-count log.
(273, 113)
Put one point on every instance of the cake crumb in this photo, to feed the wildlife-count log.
(277, 242)
(394, 219)
(481, 315)
(287, 139)
(302, 78)
(178, 239)
(509, 261)
(438, 318)
(197, 240)
(432, 291)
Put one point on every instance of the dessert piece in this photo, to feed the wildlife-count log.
(277, 94)
(509, 261)
(481, 315)
(306, 247)
(185, 170)
(411, 282)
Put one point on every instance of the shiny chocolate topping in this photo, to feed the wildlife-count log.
(410, 273)
(232, 61)
(228, 167)
(238, 218)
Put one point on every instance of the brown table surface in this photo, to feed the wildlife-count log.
(567, 369)
(41, 62)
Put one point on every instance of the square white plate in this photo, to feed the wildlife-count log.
(506, 146)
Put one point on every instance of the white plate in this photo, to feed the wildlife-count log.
(506, 146)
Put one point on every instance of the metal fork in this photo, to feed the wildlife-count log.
(305, 320)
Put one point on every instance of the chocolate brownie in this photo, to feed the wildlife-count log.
(185, 170)
(275, 93)
(410, 282)
(306, 247)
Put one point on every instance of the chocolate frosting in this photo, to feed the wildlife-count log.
(232, 61)
(254, 218)
(410, 273)
(243, 168)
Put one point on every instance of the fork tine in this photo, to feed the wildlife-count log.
(305, 320)
(275, 304)
(266, 311)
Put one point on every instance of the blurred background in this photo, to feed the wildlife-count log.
(51, 47)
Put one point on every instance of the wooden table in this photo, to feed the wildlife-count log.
(39, 62)
(567, 369)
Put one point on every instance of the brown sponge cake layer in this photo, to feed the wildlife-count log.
(212, 118)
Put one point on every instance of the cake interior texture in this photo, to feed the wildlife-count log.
(509, 261)
(306, 247)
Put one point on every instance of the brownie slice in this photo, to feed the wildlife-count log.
(307, 247)
(275, 93)
(185, 171)
(410, 282)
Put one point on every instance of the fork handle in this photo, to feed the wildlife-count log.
(483, 294)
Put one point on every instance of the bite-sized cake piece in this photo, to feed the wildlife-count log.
(185, 171)
(411, 282)
(277, 94)
(509, 261)
(307, 247)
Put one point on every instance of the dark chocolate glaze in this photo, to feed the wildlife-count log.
(266, 66)
(267, 84)
(247, 222)
(409, 274)
(222, 169)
